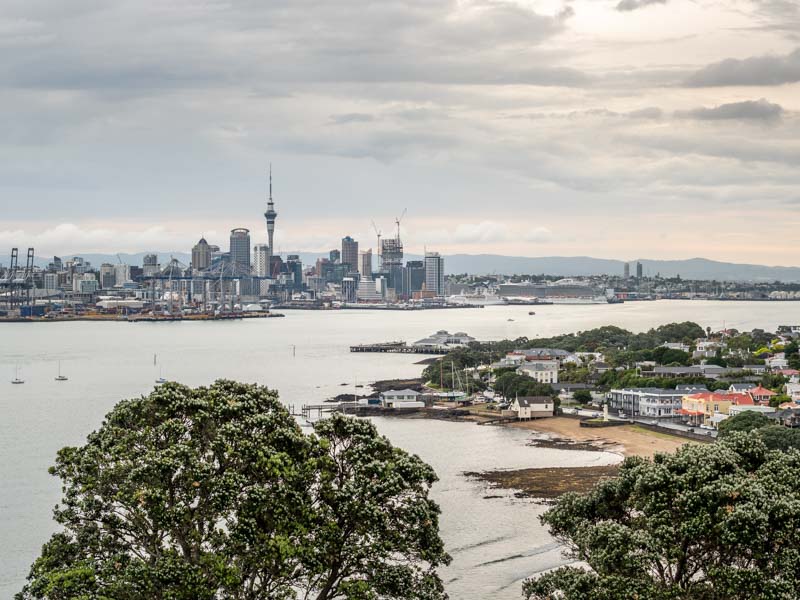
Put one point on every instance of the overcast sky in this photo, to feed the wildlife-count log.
(608, 128)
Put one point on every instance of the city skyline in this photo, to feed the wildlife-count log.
(509, 127)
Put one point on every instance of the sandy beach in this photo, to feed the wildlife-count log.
(629, 440)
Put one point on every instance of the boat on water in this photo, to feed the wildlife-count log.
(17, 379)
(476, 300)
(530, 312)
(60, 377)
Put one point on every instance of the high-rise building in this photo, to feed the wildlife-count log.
(150, 265)
(415, 276)
(639, 270)
(349, 290)
(434, 273)
(391, 253)
(350, 253)
(122, 274)
(270, 216)
(335, 256)
(365, 264)
(295, 268)
(108, 276)
(240, 249)
(201, 255)
(626, 271)
(261, 260)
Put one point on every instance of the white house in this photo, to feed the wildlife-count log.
(533, 407)
(778, 361)
(793, 391)
(401, 399)
(544, 371)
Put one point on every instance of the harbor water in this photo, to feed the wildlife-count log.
(495, 541)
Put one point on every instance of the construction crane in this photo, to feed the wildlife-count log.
(378, 233)
(398, 219)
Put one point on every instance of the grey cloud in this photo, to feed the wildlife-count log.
(351, 118)
(628, 5)
(760, 110)
(757, 70)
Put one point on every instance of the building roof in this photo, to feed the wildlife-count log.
(732, 397)
(405, 392)
(761, 391)
(526, 401)
(742, 387)
(541, 352)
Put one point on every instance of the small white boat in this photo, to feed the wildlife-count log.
(61, 377)
(17, 379)
(161, 380)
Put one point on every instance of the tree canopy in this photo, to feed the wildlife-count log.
(709, 522)
(216, 493)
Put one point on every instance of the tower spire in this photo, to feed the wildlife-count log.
(270, 182)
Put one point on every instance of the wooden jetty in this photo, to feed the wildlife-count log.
(398, 348)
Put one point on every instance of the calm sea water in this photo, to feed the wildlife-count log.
(495, 542)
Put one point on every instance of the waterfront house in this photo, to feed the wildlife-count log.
(646, 402)
(701, 408)
(540, 354)
(543, 371)
(401, 399)
(533, 407)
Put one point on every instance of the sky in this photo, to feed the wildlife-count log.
(609, 128)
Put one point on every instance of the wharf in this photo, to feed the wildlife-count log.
(136, 318)
(398, 348)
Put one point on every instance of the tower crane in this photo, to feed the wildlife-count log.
(378, 233)
(398, 219)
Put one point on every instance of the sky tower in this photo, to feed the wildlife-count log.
(270, 216)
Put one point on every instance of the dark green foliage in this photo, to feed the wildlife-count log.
(668, 356)
(216, 493)
(511, 385)
(709, 522)
(778, 437)
(582, 396)
(744, 421)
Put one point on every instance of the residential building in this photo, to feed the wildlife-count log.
(434, 273)
(540, 354)
(350, 253)
(646, 402)
(533, 407)
(676, 346)
(201, 255)
(778, 361)
(260, 260)
(626, 271)
(738, 388)
(700, 409)
(761, 395)
(541, 371)
(793, 391)
(639, 270)
(51, 281)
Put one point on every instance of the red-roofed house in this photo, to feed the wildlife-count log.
(698, 409)
(761, 395)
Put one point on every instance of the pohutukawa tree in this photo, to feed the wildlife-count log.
(710, 522)
(216, 493)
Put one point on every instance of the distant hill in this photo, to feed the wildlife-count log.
(693, 268)
(568, 266)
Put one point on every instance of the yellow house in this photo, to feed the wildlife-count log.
(700, 408)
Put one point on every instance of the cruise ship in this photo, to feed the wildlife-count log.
(563, 291)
